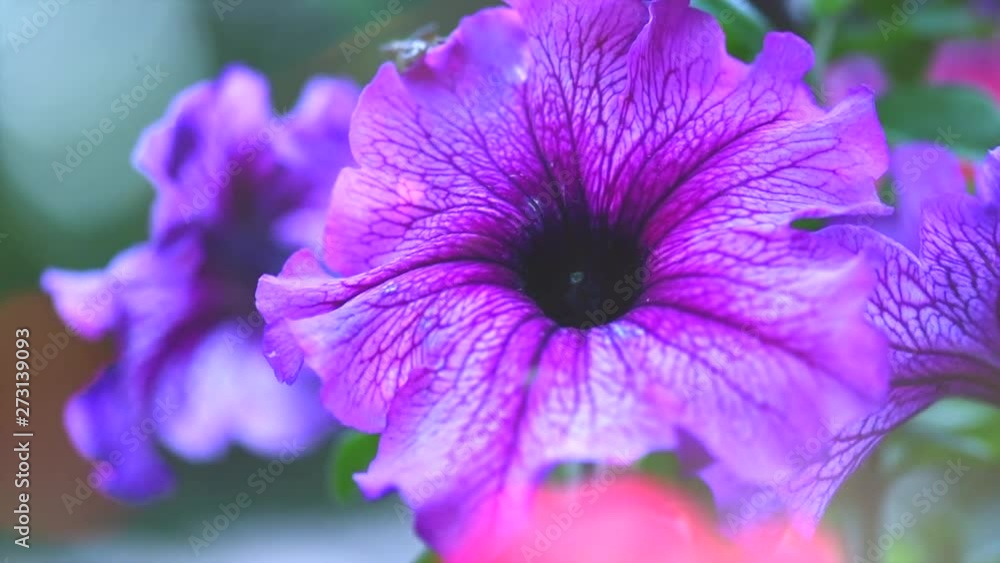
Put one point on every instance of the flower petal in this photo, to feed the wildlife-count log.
(448, 136)
(922, 172)
(109, 429)
(988, 179)
(940, 314)
(225, 393)
(189, 153)
(968, 62)
(849, 74)
(730, 343)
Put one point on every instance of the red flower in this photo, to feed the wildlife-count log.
(629, 519)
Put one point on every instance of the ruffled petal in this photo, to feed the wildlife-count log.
(226, 393)
(447, 138)
(91, 302)
(113, 432)
(988, 179)
(850, 74)
(922, 172)
(313, 147)
(939, 311)
(191, 154)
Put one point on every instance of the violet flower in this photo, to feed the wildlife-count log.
(237, 190)
(568, 239)
(845, 76)
(937, 301)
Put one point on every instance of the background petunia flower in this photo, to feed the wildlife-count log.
(937, 302)
(238, 189)
(847, 75)
(968, 62)
(568, 238)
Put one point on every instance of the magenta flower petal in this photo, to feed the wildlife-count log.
(568, 238)
(968, 62)
(238, 190)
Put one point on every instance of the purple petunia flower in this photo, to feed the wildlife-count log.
(568, 238)
(237, 190)
(846, 75)
(938, 302)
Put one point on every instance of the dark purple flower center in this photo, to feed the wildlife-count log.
(582, 275)
(242, 249)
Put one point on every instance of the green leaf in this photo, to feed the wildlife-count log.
(352, 453)
(950, 428)
(830, 8)
(963, 119)
(744, 25)
(428, 557)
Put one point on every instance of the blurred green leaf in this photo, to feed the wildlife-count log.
(744, 25)
(951, 428)
(830, 8)
(660, 464)
(809, 225)
(352, 453)
(428, 557)
(965, 120)
(934, 21)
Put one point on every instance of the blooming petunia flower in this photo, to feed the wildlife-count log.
(238, 189)
(848, 74)
(568, 238)
(968, 62)
(938, 302)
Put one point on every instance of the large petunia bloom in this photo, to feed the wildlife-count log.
(937, 301)
(238, 189)
(568, 238)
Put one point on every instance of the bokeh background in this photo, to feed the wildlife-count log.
(67, 76)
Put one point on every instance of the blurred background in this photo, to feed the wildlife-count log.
(62, 73)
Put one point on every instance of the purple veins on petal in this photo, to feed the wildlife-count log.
(567, 237)
(238, 189)
(939, 307)
(921, 172)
